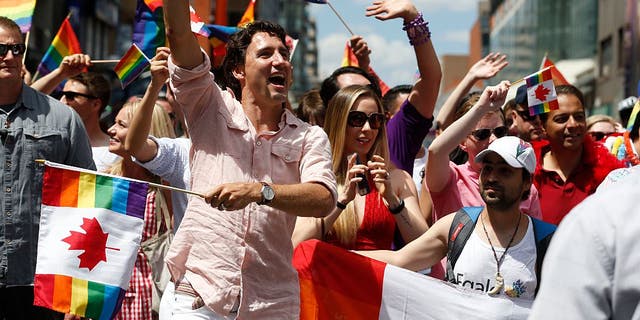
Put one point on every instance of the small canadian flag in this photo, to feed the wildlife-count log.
(541, 93)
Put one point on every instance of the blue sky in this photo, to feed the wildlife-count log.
(392, 57)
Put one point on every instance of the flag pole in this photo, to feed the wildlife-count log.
(157, 185)
(340, 17)
(522, 79)
(26, 46)
(105, 61)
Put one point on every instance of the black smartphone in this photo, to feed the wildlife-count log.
(363, 185)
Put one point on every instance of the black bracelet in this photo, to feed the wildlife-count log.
(397, 209)
(341, 205)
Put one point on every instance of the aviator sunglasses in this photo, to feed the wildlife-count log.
(482, 134)
(525, 115)
(16, 49)
(358, 119)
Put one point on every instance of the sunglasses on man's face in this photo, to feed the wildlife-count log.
(358, 119)
(70, 95)
(16, 49)
(485, 133)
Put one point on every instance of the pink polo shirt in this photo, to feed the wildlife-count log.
(246, 253)
(463, 190)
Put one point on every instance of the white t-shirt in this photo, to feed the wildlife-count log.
(103, 158)
(476, 266)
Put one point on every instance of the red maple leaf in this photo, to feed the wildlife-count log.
(541, 92)
(93, 242)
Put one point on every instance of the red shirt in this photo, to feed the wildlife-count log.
(558, 197)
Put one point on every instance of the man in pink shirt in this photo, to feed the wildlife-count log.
(259, 167)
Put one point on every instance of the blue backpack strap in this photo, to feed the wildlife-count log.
(543, 232)
(461, 229)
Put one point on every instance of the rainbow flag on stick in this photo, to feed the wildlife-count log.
(90, 230)
(64, 43)
(249, 14)
(19, 11)
(349, 59)
(132, 64)
(541, 93)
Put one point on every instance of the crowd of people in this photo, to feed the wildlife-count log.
(478, 207)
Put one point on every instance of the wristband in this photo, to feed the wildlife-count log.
(341, 205)
(417, 30)
(397, 209)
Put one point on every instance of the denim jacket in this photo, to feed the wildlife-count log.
(38, 127)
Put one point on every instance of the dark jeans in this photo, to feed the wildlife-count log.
(16, 303)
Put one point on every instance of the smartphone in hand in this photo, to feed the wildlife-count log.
(363, 185)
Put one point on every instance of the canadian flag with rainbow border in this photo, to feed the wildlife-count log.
(90, 232)
(541, 93)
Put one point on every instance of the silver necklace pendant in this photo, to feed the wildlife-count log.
(499, 284)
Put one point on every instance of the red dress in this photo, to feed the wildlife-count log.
(377, 228)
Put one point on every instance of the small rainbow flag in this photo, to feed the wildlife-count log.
(64, 43)
(541, 93)
(131, 65)
(19, 11)
(90, 231)
(249, 14)
(148, 28)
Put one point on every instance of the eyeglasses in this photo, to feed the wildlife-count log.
(358, 119)
(17, 49)
(597, 135)
(525, 115)
(70, 95)
(485, 133)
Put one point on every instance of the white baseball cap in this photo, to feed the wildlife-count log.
(515, 152)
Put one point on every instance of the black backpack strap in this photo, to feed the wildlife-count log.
(461, 229)
(543, 232)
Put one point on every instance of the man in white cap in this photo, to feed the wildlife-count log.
(503, 252)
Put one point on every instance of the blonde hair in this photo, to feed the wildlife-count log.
(346, 226)
(593, 119)
(160, 128)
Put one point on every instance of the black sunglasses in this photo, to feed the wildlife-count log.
(526, 116)
(482, 134)
(358, 119)
(16, 49)
(70, 95)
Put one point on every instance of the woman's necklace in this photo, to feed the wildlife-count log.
(499, 279)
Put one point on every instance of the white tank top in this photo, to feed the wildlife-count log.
(476, 266)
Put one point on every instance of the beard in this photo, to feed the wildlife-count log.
(498, 197)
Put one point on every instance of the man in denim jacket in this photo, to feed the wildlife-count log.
(32, 126)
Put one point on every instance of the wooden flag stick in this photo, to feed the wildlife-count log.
(105, 61)
(26, 47)
(340, 17)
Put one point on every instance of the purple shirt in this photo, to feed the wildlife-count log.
(405, 133)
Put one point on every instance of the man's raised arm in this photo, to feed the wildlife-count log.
(185, 51)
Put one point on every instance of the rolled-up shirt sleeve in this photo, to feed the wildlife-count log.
(315, 165)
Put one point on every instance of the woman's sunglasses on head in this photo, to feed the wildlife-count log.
(485, 133)
(358, 119)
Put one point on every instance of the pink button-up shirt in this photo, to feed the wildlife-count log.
(246, 253)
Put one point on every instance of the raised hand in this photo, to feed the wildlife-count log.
(391, 9)
(361, 51)
(160, 66)
(74, 64)
(489, 66)
(493, 97)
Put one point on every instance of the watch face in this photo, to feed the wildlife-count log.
(267, 193)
